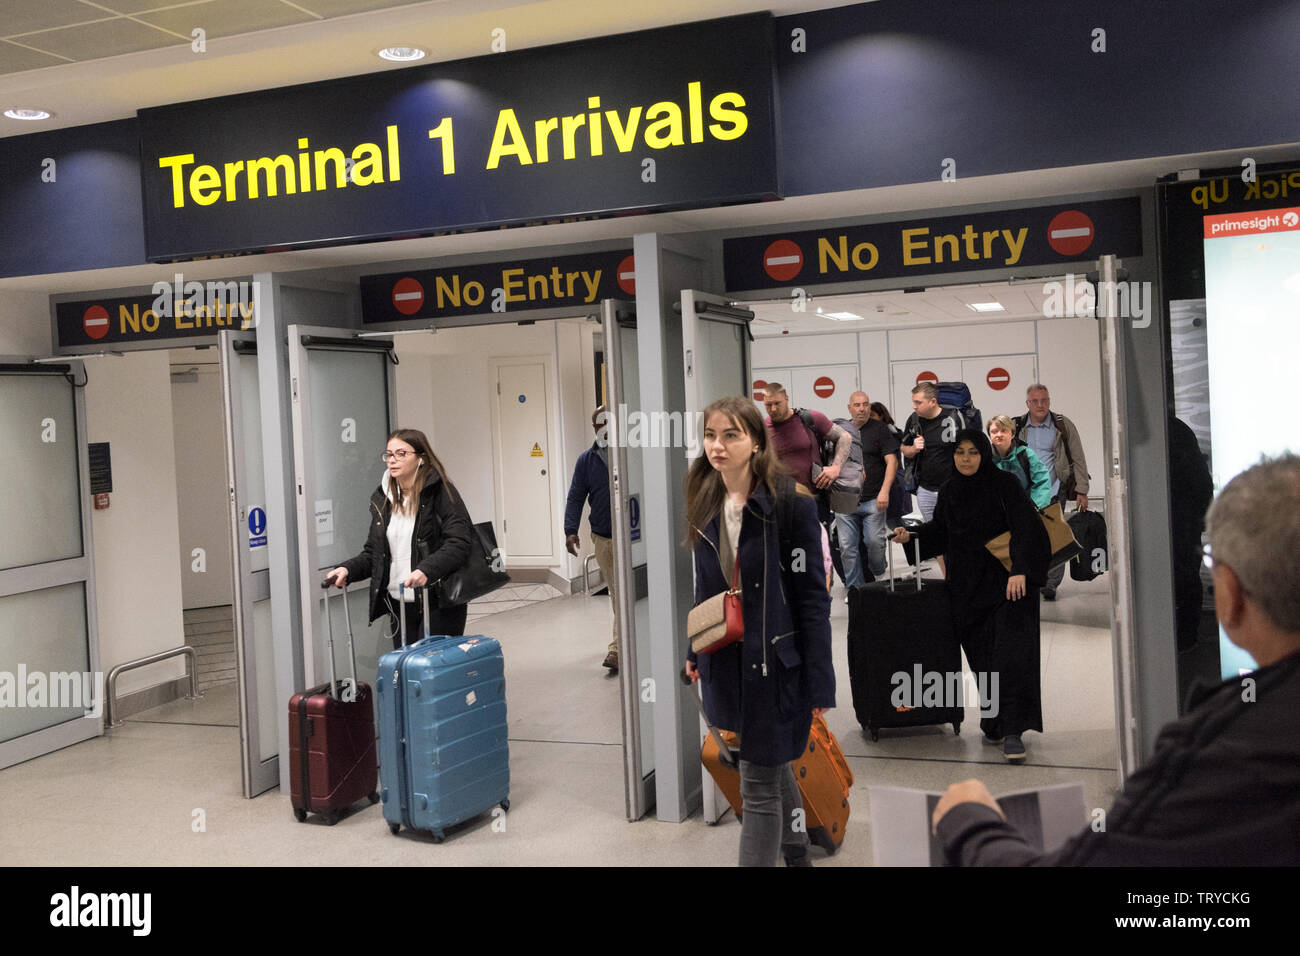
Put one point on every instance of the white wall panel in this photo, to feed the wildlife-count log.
(959, 341)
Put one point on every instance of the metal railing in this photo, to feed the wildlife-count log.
(586, 572)
(111, 684)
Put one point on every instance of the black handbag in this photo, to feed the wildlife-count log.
(482, 573)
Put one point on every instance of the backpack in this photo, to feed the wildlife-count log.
(849, 484)
(957, 394)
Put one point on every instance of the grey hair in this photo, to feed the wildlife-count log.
(1254, 528)
(1036, 387)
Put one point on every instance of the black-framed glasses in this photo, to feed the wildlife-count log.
(398, 455)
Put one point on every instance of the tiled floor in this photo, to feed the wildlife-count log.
(171, 768)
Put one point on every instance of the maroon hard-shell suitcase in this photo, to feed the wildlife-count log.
(332, 756)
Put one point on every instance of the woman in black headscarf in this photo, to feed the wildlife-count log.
(995, 612)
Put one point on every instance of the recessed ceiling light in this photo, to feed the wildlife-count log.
(402, 54)
(986, 306)
(844, 316)
(21, 114)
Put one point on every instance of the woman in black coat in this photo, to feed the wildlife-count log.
(419, 533)
(768, 686)
(994, 612)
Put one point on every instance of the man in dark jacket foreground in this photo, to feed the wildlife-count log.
(1220, 789)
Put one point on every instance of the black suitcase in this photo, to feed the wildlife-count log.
(1089, 529)
(902, 631)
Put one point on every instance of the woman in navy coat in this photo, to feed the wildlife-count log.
(768, 686)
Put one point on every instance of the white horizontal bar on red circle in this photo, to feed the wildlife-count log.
(784, 260)
(404, 296)
(1071, 233)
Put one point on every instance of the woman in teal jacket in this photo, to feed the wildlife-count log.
(1019, 459)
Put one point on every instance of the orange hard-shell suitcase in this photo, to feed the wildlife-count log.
(822, 772)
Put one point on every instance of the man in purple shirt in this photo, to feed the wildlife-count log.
(798, 449)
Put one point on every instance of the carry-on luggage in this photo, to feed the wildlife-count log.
(823, 775)
(900, 643)
(1089, 529)
(444, 757)
(332, 739)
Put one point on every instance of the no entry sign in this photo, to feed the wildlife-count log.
(824, 387)
(927, 377)
(998, 379)
(759, 385)
(627, 275)
(782, 260)
(1070, 232)
(95, 322)
(408, 296)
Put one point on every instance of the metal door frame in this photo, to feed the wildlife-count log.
(302, 338)
(258, 775)
(699, 306)
(60, 572)
(638, 787)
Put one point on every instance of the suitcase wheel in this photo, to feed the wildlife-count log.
(875, 734)
(373, 797)
(330, 817)
(956, 728)
(300, 815)
(505, 805)
(438, 836)
(394, 828)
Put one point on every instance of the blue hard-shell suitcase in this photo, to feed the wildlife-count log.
(443, 754)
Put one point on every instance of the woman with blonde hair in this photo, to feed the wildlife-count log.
(768, 686)
(419, 533)
(1020, 461)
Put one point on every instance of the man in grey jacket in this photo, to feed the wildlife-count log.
(1220, 788)
(1056, 442)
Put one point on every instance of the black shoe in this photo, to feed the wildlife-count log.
(1013, 748)
(611, 661)
(798, 857)
(1049, 594)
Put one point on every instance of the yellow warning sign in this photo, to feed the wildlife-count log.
(536, 452)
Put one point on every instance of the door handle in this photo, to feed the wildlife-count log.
(543, 471)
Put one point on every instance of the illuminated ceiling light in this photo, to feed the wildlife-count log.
(21, 114)
(402, 54)
(986, 306)
(844, 316)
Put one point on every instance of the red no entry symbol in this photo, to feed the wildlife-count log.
(782, 260)
(1070, 232)
(626, 275)
(408, 296)
(95, 322)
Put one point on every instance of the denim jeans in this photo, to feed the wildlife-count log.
(869, 519)
(770, 826)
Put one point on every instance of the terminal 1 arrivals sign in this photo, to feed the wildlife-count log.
(662, 119)
(1006, 238)
(580, 281)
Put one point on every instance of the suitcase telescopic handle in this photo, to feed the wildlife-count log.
(889, 550)
(724, 752)
(329, 629)
(401, 614)
(347, 618)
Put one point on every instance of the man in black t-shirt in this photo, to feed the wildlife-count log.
(930, 427)
(878, 467)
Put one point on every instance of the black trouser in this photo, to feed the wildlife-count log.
(449, 622)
